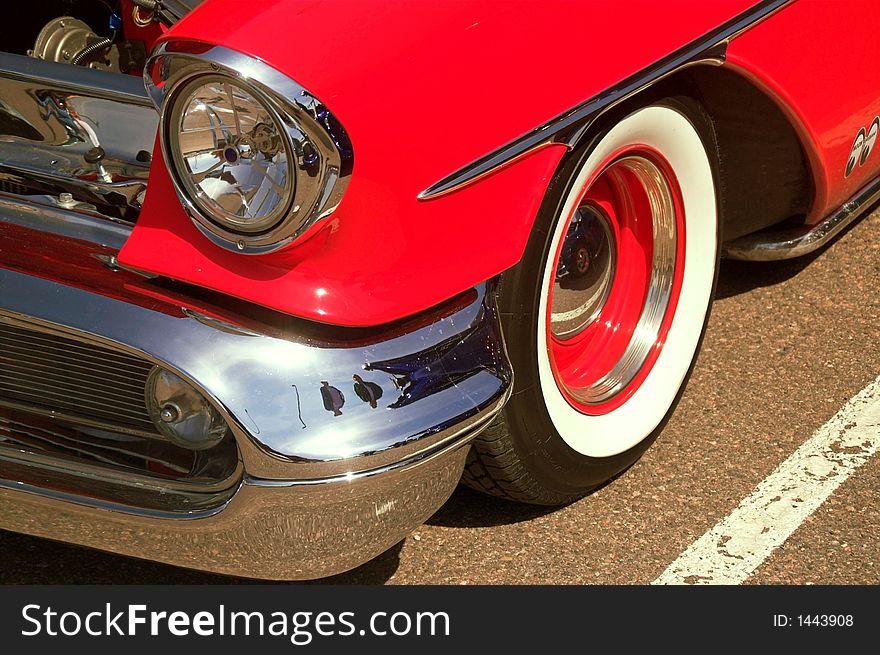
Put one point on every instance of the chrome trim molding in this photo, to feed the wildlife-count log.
(73, 129)
(567, 128)
(348, 438)
(43, 215)
(321, 145)
(788, 244)
(126, 492)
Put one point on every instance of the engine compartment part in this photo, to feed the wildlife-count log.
(71, 41)
(74, 130)
(167, 12)
(110, 35)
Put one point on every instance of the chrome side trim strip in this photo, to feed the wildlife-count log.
(791, 243)
(567, 128)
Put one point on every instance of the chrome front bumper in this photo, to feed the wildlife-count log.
(327, 481)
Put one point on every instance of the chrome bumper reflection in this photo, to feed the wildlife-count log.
(277, 530)
(349, 437)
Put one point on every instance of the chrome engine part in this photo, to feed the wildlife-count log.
(69, 40)
(76, 130)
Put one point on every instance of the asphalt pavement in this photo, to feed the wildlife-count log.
(789, 343)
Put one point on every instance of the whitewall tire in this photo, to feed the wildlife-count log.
(605, 313)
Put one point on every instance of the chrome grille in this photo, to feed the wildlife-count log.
(49, 371)
(42, 435)
(134, 472)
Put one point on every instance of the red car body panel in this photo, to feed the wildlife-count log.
(826, 79)
(422, 89)
(359, 269)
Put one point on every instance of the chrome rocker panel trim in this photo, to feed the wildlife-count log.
(769, 245)
(326, 484)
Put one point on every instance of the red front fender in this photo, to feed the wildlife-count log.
(422, 90)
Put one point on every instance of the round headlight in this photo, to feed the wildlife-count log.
(231, 155)
(255, 158)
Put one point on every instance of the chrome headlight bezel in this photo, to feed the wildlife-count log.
(322, 157)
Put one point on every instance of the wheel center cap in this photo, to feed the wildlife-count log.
(584, 274)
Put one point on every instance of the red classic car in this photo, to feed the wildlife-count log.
(276, 276)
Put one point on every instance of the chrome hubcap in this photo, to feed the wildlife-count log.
(583, 274)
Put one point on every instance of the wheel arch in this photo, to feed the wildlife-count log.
(764, 173)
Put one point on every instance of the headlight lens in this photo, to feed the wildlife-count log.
(231, 155)
(255, 158)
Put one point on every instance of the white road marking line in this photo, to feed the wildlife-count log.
(732, 550)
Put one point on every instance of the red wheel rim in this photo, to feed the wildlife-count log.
(607, 325)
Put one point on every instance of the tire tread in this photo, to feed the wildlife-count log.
(494, 468)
